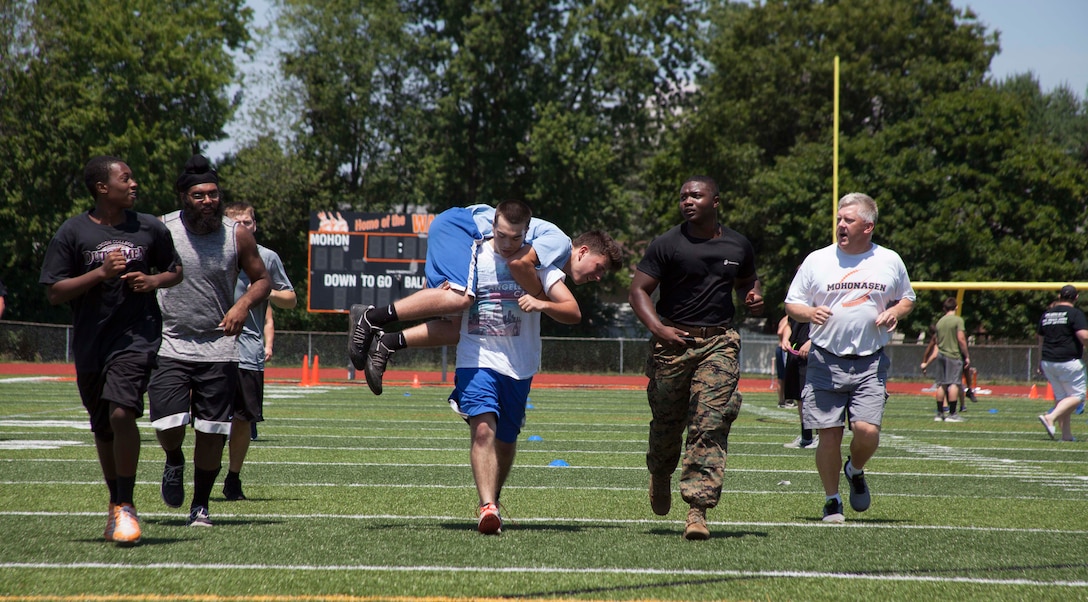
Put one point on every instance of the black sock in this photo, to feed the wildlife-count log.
(232, 476)
(175, 457)
(806, 434)
(379, 316)
(112, 485)
(203, 481)
(394, 341)
(125, 487)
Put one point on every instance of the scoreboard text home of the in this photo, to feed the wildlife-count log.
(368, 258)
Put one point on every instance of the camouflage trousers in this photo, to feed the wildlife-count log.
(693, 388)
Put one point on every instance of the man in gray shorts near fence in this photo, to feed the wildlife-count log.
(854, 293)
(950, 361)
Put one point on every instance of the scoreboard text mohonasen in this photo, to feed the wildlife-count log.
(368, 258)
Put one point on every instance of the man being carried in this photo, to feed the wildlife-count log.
(453, 239)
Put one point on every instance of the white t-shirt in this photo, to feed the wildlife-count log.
(495, 332)
(857, 288)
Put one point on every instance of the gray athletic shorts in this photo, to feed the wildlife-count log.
(836, 385)
(949, 370)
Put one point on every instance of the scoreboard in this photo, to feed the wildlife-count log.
(368, 258)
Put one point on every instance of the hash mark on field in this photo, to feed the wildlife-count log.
(1022, 470)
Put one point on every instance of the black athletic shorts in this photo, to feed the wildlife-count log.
(249, 400)
(122, 381)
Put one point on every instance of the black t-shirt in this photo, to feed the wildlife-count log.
(111, 317)
(1058, 327)
(696, 275)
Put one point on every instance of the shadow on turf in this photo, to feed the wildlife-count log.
(513, 524)
(625, 588)
(714, 534)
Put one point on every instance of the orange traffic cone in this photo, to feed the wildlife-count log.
(1034, 393)
(315, 372)
(305, 380)
(415, 381)
(1049, 391)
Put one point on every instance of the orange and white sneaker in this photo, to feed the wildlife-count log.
(126, 528)
(490, 521)
(111, 522)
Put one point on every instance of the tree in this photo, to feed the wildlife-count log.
(439, 104)
(143, 80)
(770, 86)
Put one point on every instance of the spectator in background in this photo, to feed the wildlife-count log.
(854, 293)
(1062, 334)
(3, 294)
(254, 349)
(780, 354)
(950, 361)
(107, 264)
(794, 341)
(197, 376)
(695, 349)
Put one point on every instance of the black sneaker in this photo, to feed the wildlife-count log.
(971, 395)
(362, 334)
(859, 490)
(232, 489)
(199, 517)
(376, 361)
(173, 491)
(252, 431)
(833, 512)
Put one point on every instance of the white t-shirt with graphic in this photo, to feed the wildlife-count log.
(857, 288)
(495, 332)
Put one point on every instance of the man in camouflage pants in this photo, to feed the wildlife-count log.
(694, 363)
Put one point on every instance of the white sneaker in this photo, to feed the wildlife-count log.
(795, 444)
(955, 418)
(812, 444)
(938, 418)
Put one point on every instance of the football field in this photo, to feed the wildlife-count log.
(357, 497)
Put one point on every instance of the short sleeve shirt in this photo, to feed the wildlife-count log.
(696, 275)
(857, 288)
(111, 317)
(251, 341)
(1058, 327)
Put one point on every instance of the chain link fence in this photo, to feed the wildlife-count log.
(30, 342)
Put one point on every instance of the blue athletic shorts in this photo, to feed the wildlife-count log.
(480, 391)
(451, 250)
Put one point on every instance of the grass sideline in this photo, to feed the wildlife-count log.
(360, 497)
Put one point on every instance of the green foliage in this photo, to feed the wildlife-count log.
(143, 80)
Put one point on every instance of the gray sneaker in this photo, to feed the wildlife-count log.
(859, 489)
(173, 491)
(955, 418)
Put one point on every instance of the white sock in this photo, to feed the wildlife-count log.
(851, 471)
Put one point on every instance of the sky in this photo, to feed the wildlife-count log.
(1045, 37)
